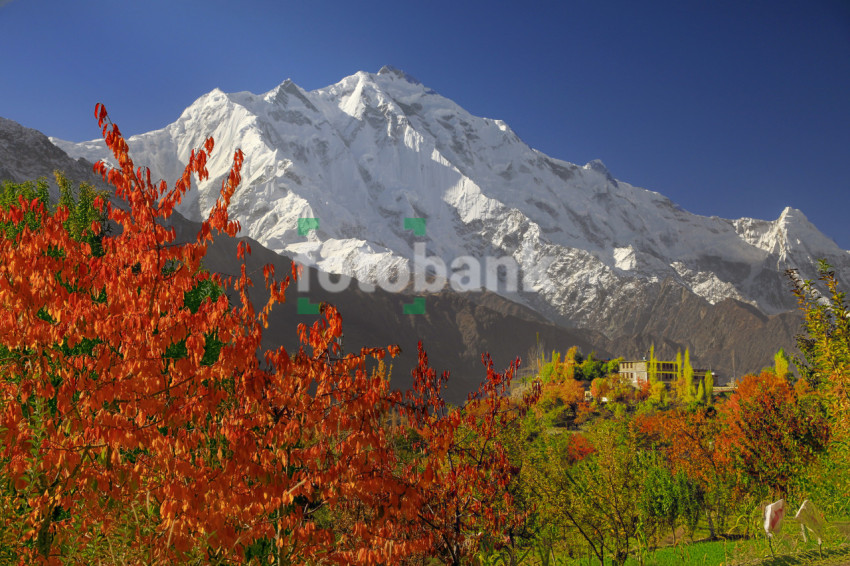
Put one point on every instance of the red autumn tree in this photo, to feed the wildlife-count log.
(461, 470)
(771, 431)
(134, 408)
(125, 408)
(599, 387)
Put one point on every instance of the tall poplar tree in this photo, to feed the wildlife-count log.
(709, 387)
(688, 377)
(781, 363)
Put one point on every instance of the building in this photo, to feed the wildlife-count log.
(637, 372)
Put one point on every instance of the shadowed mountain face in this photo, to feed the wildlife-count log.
(455, 328)
(615, 317)
(27, 154)
(731, 337)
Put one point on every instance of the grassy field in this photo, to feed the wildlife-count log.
(740, 553)
(786, 550)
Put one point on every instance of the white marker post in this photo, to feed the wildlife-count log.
(773, 515)
(810, 518)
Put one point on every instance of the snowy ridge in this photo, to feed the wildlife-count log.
(373, 149)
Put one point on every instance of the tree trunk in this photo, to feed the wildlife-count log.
(710, 523)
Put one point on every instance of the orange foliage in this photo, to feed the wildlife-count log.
(569, 392)
(462, 471)
(579, 448)
(644, 390)
(687, 440)
(762, 436)
(692, 443)
(771, 430)
(599, 387)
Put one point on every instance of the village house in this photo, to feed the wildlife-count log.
(637, 372)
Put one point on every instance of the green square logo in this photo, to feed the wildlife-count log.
(306, 225)
(416, 307)
(305, 307)
(415, 224)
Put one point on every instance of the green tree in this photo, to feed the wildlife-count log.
(610, 487)
(592, 367)
(82, 211)
(825, 341)
(575, 355)
(652, 369)
(781, 364)
(679, 368)
(669, 499)
(657, 389)
(658, 394)
(572, 360)
(709, 387)
(824, 368)
(549, 483)
(549, 371)
(688, 501)
(613, 366)
(591, 492)
(685, 389)
(658, 502)
(688, 377)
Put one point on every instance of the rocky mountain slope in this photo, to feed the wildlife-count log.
(27, 154)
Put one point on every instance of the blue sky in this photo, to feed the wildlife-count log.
(728, 108)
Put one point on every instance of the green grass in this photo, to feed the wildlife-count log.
(708, 554)
(786, 550)
(735, 553)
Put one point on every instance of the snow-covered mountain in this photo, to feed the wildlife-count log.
(366, 155)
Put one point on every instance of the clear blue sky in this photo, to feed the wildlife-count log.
(730, 108)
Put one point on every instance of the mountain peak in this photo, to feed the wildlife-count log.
(598, 166)
(398, 73)
(792, 214)
(287, 90)
(799, 228)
